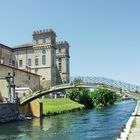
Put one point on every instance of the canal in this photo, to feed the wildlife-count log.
(95, 124)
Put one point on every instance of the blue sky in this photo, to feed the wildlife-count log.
(104, 35)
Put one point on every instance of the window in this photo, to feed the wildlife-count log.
(10, 61)
(43, 51)
(60, 64)
(34, 42)
(29, 62)
(59, 60)
(53, 61)
(59, 50)
(36, 51)
(47, 40)
(43, 59)
(20, 63)
(13, 63)
(40, 41)
(2, 60)
(36, 61)
(60, 67)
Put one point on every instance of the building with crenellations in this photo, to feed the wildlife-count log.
(44, 57)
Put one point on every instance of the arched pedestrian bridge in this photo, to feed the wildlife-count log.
(86, 82)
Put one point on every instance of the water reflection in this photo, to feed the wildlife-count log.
(10, 131)
(81, 125)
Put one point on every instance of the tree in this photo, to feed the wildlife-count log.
(103, 97)
(73, 94)
(81, 95)
(98, 98)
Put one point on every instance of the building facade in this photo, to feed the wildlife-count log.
(44, 57)
(62, 62)
(21, 78)
(5, 54)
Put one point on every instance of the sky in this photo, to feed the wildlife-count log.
(104, 35)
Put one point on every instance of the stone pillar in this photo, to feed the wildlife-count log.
(55, 95)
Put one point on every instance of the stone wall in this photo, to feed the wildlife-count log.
(21, 78)
(8, 112)
(45, 84)
(5, 55)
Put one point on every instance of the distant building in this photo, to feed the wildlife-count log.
(44, 57)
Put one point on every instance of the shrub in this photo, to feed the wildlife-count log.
(103, 97)
(81, 95)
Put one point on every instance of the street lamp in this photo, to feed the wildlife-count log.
(11, 87)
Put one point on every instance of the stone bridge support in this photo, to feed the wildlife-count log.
(33, 108)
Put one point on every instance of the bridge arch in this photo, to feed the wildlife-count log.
(87, 82)
(63, 87)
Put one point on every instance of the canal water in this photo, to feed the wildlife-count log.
(95, 124)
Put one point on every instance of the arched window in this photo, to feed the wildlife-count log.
(43, 59)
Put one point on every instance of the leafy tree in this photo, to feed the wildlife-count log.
(81, 95)
(73, 94)
(98, 98)
(85, 97)
(103, 97)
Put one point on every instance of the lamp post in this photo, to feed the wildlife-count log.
(11, 87)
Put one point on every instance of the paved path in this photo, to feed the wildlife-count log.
(135, 131)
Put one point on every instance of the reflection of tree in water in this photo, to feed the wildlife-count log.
(47, 127)
(59, 123)
(55, 123)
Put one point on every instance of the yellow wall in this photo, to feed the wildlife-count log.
(33, 108)
(3, 89)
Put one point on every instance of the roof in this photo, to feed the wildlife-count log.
(16, 47)
(23, 46)
(4, 46)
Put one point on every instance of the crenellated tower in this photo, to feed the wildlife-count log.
(44, 46)
(44, 57)
(62, 61)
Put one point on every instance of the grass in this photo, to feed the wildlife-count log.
(59, 105)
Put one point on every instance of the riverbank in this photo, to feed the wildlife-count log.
(135, 130)
(131, 130)
(59, 105)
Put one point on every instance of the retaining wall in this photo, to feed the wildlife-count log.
(8, 112)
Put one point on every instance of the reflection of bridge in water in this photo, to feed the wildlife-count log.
(86, 82)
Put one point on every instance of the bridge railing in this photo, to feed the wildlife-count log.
(109, 82)
(62, 85)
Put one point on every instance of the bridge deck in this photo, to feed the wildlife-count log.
(80, 85)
